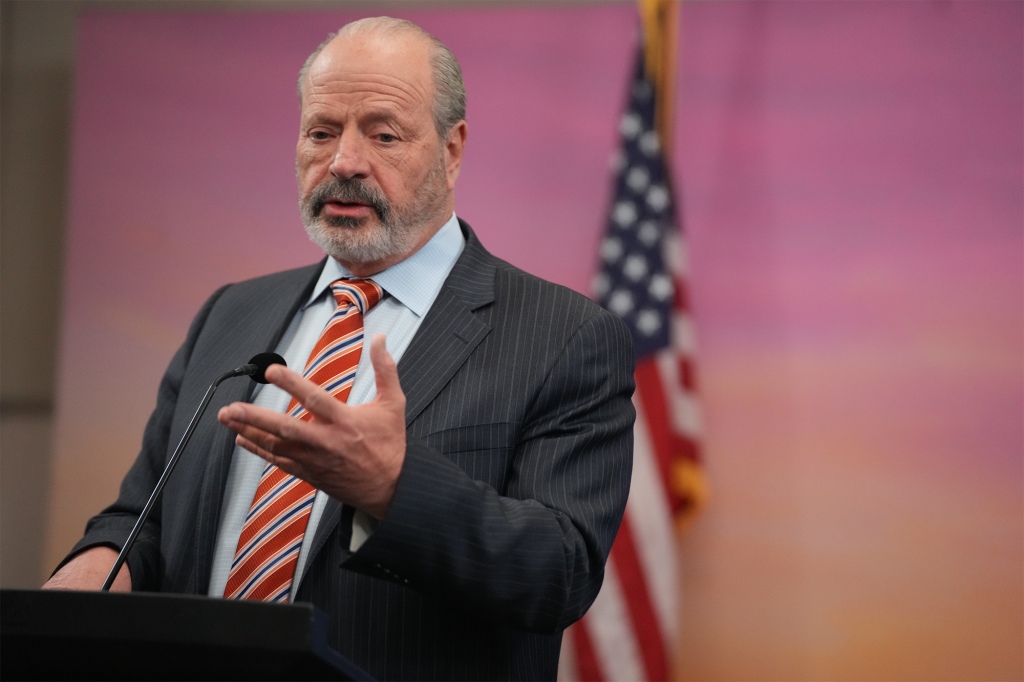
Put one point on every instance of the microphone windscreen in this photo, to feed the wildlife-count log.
(262, 361)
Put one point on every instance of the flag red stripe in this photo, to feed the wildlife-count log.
(587, 667)
(638, 598)
(681, 303)
(658, 419)
(687, 376)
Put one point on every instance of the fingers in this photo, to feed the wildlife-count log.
(385, 370)
(268, 438)
(317, 402)
(284, 463)
(256, 423)
(321, 404)
(272, 435)
(263, 432)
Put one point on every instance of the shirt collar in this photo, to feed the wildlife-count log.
(415, 281)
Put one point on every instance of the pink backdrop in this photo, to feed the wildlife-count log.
(851, 183)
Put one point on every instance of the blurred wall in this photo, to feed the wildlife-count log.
(36, 73)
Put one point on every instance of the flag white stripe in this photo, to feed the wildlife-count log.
(611, 631)
(649, 516)
(567, 670)
(683, 408)
(684, 340)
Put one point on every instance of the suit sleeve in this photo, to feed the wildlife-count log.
(112, 526)
(532, 555)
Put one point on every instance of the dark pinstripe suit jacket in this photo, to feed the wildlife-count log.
(514, 483)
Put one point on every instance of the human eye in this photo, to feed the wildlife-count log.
(319, 135)
(384, 130)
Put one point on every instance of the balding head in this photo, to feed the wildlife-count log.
(380, 143)
(449, 92)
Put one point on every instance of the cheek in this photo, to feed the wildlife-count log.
(304, 159)
(309, 168)
(406, 171)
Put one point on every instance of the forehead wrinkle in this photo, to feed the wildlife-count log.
(406, 101)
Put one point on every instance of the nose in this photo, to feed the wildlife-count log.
(350, 160)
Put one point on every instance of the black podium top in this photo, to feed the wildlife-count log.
(63, 635)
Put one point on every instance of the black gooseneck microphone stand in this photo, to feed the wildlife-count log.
(256, 369)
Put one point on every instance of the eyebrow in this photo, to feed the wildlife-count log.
(371, 117)
(381, 116)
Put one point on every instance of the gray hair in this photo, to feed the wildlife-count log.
(449, 105)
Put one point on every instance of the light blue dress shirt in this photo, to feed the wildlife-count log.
(411, 287)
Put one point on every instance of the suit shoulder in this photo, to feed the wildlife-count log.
(282, 283)
(524, 289)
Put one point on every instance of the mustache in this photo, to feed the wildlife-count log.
(351, 191)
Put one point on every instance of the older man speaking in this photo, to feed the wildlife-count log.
(448, 498)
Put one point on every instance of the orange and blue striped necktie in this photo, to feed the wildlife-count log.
(268, 548)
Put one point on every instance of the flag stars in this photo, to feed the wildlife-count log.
(635, 267)
(649, 143)
(611, 249)
(648, 322)
(661, 287)
(630, 126)
(624, 213)
(638, 179)
(648, 233)
(621, 302)
(634, 282)
(657, 197)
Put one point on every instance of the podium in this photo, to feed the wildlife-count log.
(62, 635)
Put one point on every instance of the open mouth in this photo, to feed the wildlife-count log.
(351, 209)
(348, 203)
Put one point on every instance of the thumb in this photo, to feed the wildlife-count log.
(385, 370)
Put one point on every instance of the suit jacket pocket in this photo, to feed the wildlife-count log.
(497, 436)
(484, 451)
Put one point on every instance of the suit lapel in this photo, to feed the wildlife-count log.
(443, 343)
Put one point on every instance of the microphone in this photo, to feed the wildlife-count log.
(256, 369)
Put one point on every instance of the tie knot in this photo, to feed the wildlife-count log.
(362, 293)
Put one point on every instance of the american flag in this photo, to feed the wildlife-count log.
(630, 631)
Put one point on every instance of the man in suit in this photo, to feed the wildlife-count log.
(465, 497)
